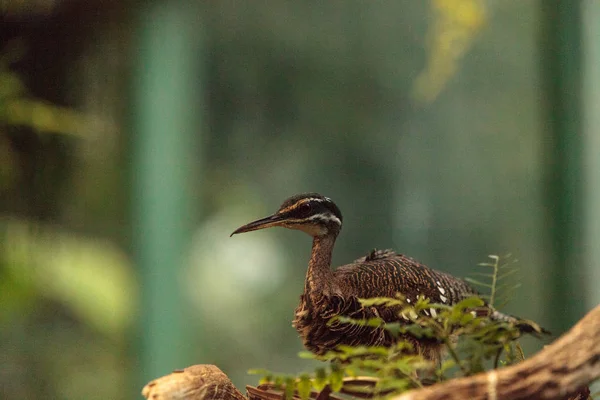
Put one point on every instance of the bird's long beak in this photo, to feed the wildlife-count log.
(268, 222)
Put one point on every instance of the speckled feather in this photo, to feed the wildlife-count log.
(379, 274)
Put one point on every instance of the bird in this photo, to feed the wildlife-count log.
(329, 293)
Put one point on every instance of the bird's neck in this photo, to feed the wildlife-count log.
(319, 277)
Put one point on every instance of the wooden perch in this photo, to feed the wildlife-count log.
(562, 370)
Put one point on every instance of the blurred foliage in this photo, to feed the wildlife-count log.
(18, 108)
(91, 278)
(61, 294)
(301, 97)
(454, 25)
(22, 113)
(47, 261)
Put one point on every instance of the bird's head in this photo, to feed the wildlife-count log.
(312, 213)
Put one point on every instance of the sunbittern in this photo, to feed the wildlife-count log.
(329, 293)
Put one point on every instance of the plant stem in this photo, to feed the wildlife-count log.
(497, 358)
(494, 279)
(455, 356)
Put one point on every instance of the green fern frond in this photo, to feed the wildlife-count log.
(503, 267)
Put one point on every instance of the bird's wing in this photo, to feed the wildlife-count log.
(385, 274)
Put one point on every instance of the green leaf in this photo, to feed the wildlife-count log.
(336, 379)
(304, 386)
(381, 301)
(478, 283)
(404, 345)
(278, 381)
(320, 378)
(258, 371)
(446, 365)
(397, 385)
(470, 302)
(486, 265)
(289, 387)
(393, 328)
(371, 322)
(307, 355)
(485, 275)
(466, 319)
(268, 378)
(418, 331)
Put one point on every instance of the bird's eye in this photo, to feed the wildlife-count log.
(305, 208)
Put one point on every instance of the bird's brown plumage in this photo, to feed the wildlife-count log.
(379, 274)
(329, 293)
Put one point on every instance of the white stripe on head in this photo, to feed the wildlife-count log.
(329, 217)
(319, 199)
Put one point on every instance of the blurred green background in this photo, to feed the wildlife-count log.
(136, 136)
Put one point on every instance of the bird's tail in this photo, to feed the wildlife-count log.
(524, 325)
